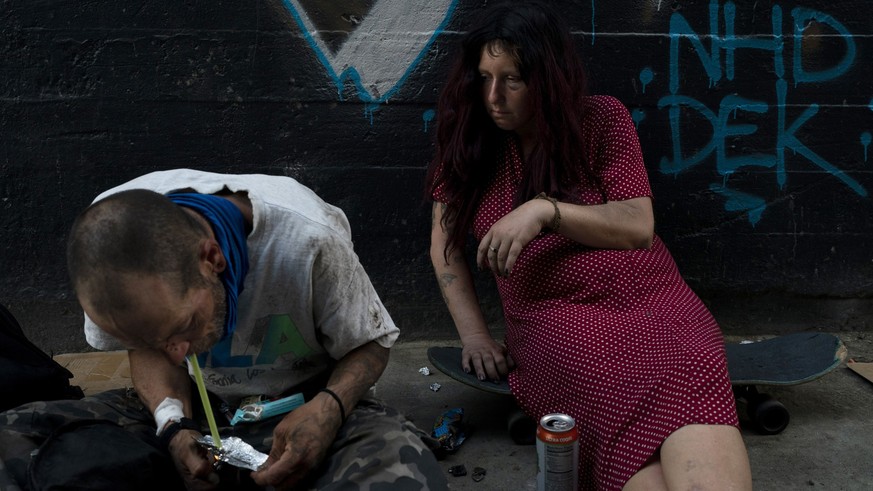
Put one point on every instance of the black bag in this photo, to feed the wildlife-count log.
(96, 455)
(27, 374)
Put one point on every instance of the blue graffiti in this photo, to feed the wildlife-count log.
(738, 201)
(345, 72)
(593, 10)
(718, 62)
(866, 137)
(646, 77)
(638, 115)
(428, 116)
(803, 17)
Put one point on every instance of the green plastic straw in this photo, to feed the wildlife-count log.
(198, 377)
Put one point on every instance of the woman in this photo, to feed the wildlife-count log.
(599, 323)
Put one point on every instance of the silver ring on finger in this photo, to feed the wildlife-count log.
(492, 248)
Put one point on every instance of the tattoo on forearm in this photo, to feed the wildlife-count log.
(445, 222)
(445, 280)
(361, 370)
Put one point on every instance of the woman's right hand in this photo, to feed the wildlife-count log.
(486, 357)
(191, 462)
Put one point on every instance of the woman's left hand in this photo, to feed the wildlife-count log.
(503, 243)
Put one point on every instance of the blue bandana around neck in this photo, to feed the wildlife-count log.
(229, 227)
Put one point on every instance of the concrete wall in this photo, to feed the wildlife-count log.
(755, 120)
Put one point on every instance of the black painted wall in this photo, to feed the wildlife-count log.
(755, 120)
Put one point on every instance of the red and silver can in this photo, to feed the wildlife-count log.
(557, 453)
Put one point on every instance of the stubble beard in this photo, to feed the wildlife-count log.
(216, 327)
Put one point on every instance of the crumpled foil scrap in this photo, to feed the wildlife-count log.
(235, 452)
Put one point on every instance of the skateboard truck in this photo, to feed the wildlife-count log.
(789, 359)
(768, 416)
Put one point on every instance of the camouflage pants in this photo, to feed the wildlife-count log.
(376, 449)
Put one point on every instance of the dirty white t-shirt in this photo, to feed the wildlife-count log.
(307, 300)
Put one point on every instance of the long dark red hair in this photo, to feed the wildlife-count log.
(468, 141)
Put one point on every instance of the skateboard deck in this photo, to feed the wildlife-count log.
(522, 429)
(790, 359)
(447, 359)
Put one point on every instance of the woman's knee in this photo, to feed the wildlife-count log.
(706, 457)
(650, 477)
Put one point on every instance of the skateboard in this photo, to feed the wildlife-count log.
(522, 429)
(790, 359)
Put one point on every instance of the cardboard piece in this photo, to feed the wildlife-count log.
(863, 369)
(98, 371)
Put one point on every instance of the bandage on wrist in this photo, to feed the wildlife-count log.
(169, 410)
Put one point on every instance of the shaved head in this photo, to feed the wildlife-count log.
(129, 234)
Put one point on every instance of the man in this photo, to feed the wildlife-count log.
(257, 277)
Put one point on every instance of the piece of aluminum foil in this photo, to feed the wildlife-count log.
(235, 452)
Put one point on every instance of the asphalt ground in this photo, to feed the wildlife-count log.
(828, 444)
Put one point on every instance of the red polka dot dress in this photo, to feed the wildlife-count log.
(614, 338)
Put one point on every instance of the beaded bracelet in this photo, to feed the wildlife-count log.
(338, 401)
(556, 220)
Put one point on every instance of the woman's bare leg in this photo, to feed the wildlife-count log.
(649, 478)
(700, 457)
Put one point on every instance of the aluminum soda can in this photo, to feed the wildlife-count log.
(557, 453)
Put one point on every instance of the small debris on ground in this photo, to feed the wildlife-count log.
(478, 474)
(424, 371)
(458, 470)
(435, 386)
(449, 430)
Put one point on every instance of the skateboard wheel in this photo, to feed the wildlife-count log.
(522, 429)
(768, 415)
